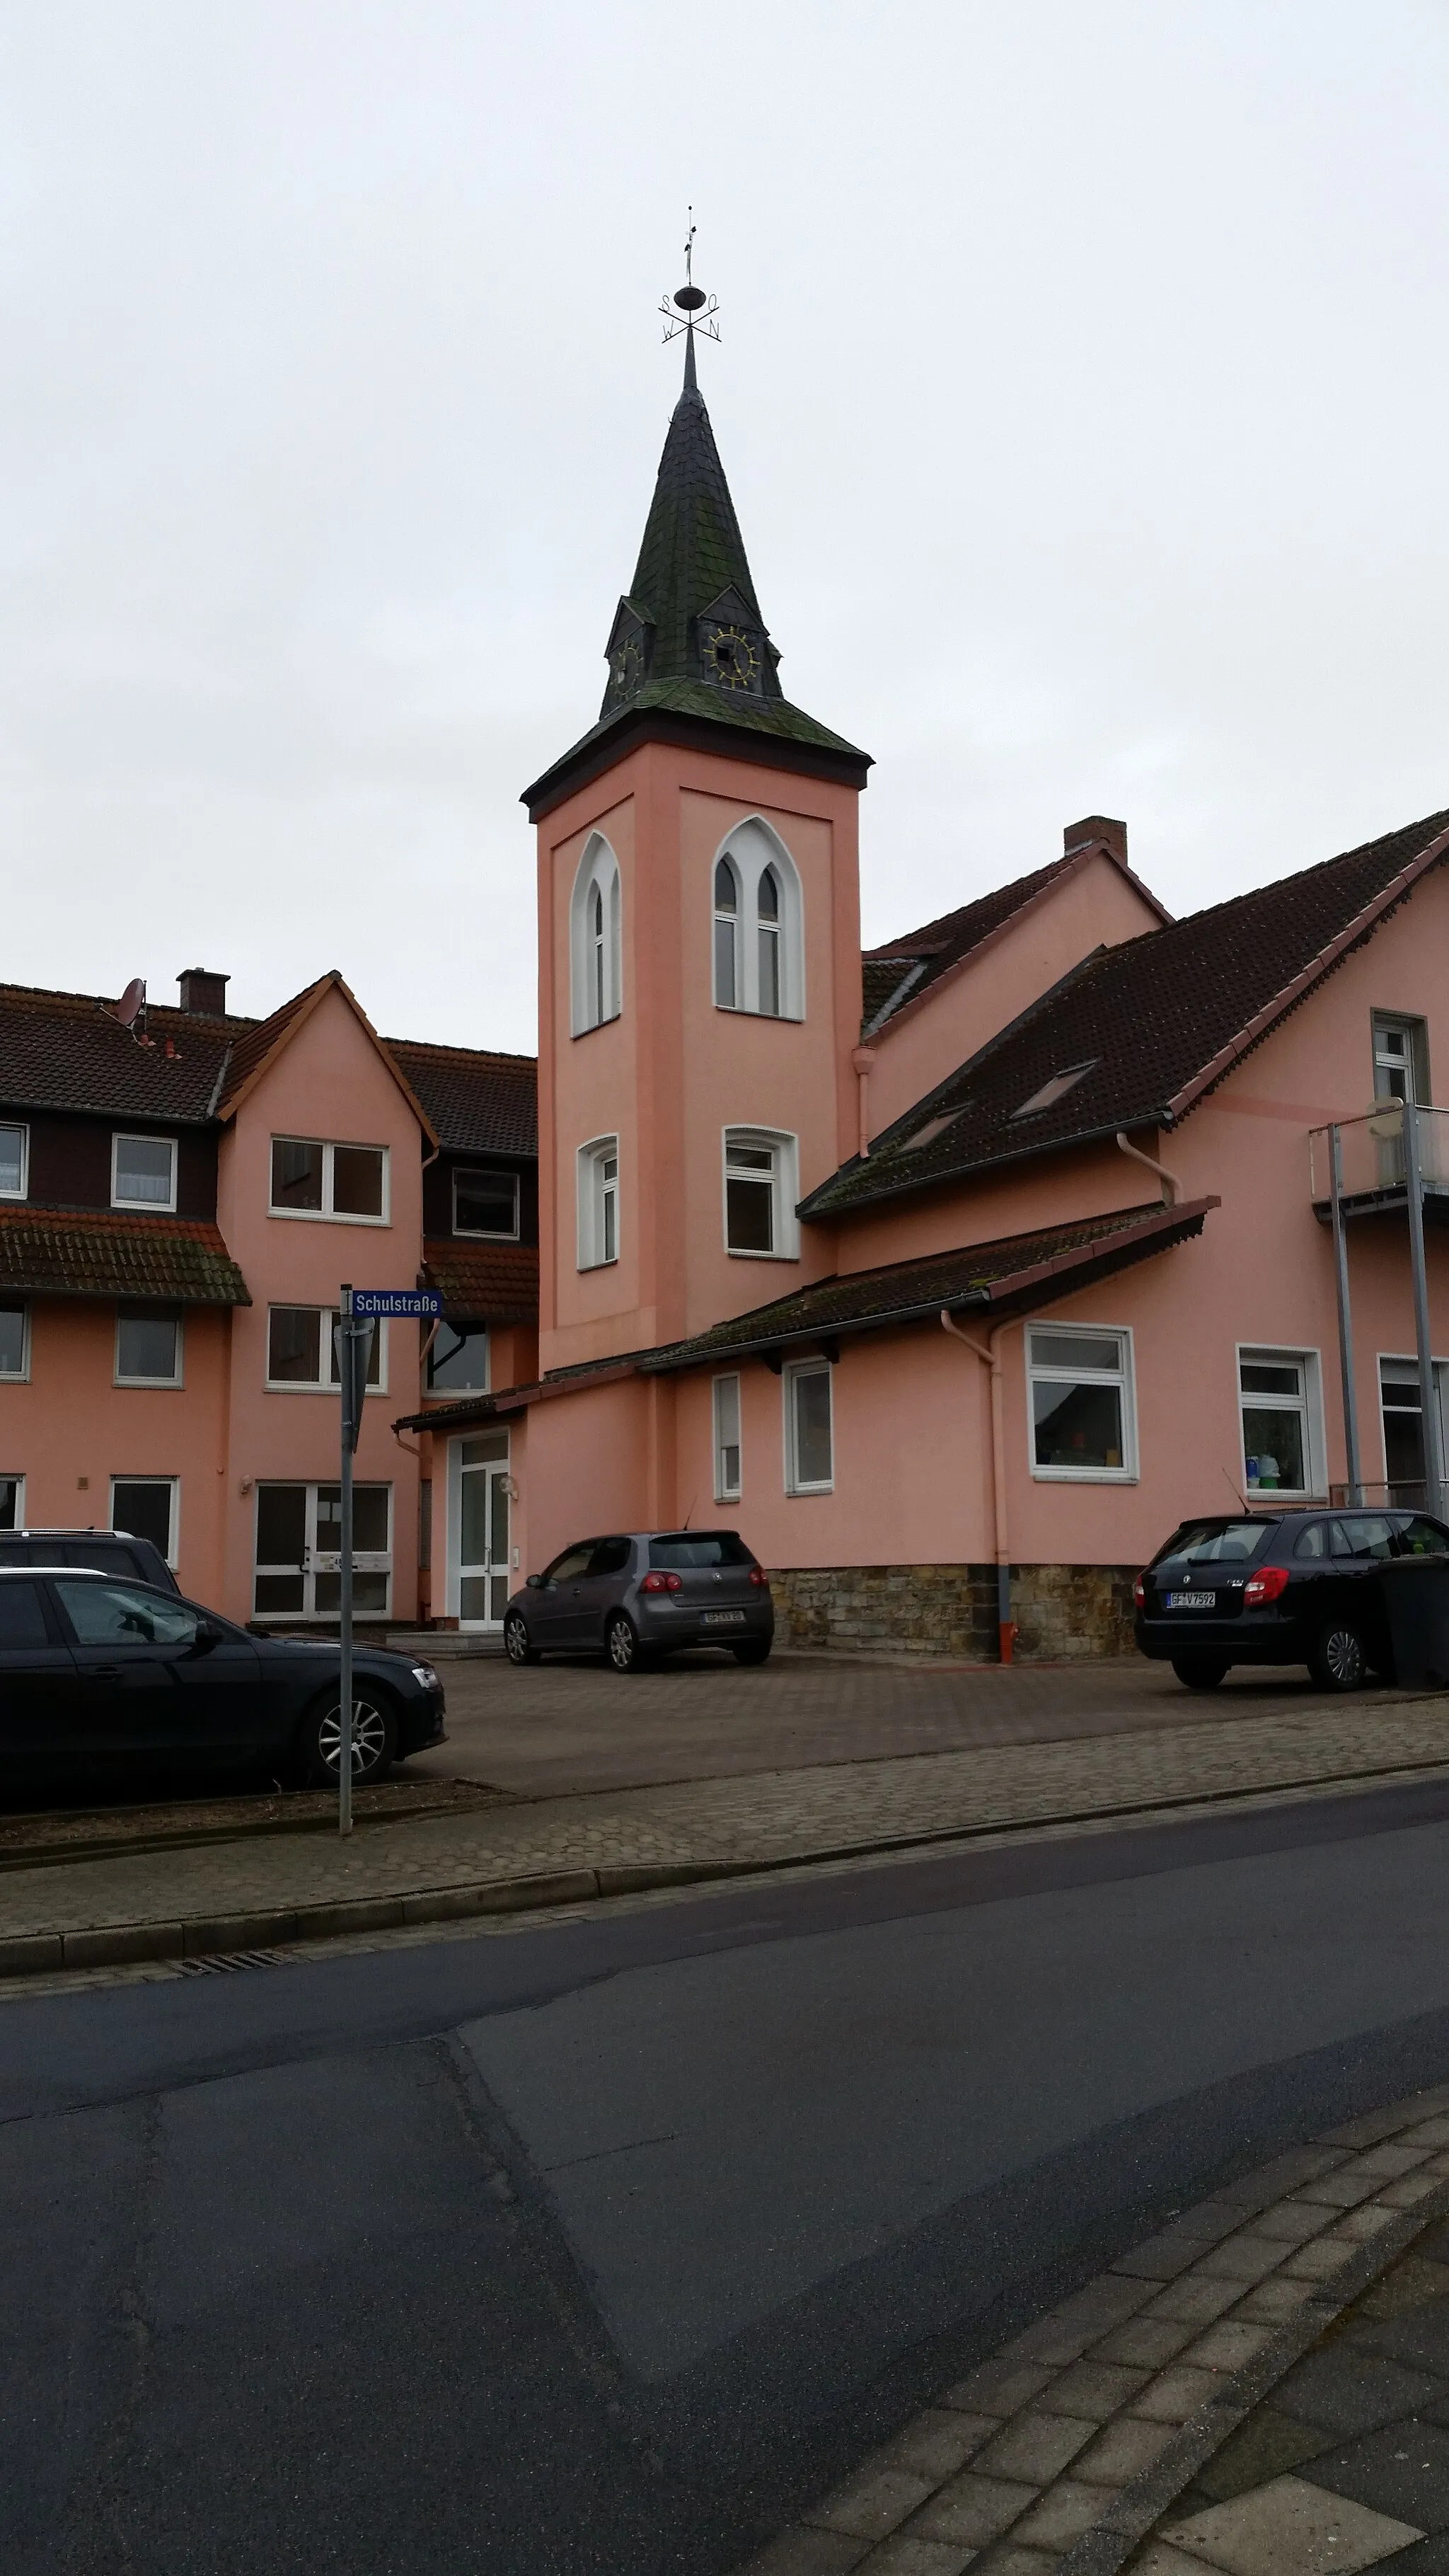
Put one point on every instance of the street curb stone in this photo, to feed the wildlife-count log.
(1076, 2436)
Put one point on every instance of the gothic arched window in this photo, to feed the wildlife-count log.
(759, 926)
(596, 970)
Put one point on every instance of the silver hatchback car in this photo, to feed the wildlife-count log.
(636, 1597)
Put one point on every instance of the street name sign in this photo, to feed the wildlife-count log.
(374, 1302)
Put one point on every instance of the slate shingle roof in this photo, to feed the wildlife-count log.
(68, 1051)
(1009, 1276)
(76, 1254)
(495, 1283)
(479, 1103)
(1156, 1021)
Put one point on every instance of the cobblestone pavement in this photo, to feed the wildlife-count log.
(1263, 2388)
(565, 1727)
(565, 1848)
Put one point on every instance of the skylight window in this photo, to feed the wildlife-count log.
(1055, 1090)
(933, 1128)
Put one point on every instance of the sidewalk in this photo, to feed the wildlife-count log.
(262, 1892)
(1261, 2389)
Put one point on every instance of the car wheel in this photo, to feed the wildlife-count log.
(1339, 1660)
(1198, 1673)
(754, 1650)
(515, 1641)
(621, 1643)
(374, 1741)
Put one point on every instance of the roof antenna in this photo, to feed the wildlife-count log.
(688, 299)
(693, 1499)
(1232, 1489)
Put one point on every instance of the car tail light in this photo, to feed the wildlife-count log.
(759, 1578)
(1267, 1586)
(662, 1583)
(1139, 1593)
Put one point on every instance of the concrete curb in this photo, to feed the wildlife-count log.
(1064, 2452)
(196, 1936)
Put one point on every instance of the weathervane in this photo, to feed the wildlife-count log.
(682, 310)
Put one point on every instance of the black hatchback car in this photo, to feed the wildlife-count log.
(1299, 1587)
(638, 1596)
(105, 1551)
(96, 1669)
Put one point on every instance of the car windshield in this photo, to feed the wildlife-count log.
(699, 1547)
(1215, 1542)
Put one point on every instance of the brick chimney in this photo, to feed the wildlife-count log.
(1097, 827)
(205, 994)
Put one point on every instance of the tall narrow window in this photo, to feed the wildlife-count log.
(727, 1440)
(809, 1429)
(1401, 1059)
(598, 1202)
(726, 937)
(767, 902)
(595, 967)
(596, 951)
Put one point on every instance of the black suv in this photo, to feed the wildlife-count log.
(104, 1551)
(1303, 1587)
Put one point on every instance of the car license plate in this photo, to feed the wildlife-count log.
(1192, 1601)
(722, 1619)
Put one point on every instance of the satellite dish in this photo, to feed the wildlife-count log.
(132, 1001)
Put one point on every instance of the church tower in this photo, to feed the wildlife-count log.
(699, 947)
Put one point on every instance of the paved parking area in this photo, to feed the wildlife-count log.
(559, 1727)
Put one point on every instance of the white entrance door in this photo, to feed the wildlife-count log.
(481, 1524)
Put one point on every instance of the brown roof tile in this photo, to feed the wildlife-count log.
(70, 1254)
(479, 1103)
(494, 1283)
(1155, 1022)
(68, 1051)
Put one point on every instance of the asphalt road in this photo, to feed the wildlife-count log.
(603, 2247)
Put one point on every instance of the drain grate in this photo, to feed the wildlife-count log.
(225, 1963)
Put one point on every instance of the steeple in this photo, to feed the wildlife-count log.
(689, 651)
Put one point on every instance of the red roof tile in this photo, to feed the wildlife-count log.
(494, 1283)
(479, 1103)
(73, 1254)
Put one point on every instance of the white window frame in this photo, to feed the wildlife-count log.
(8, 1476)
(486, 1234)
(14, 1127)
(1273, 1355)
(591, 965)
(143, 1207)
(784, 1184)
(178, 1379)
(791, 1374)
(593, 1192)
(724, 1490)
(327, 1383)
(326, 1214)
(1409, 1360)
(752, 846)
(172, 1549)
(365, 1562)
(20, 1376)
(1124, 1378)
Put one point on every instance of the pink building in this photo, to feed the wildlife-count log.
(954, 1274)
(180, 1203)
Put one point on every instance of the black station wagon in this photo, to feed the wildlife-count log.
(1301, 1587)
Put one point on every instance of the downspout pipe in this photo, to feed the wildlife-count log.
(1171, 1185)
(862, 1059)
(989, 1353)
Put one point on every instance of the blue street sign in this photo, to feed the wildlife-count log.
(396, 1301)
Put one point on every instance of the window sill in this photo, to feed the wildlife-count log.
(142, 1207)
(326, 1216)
(736, 1255)
(742, 1011)
(169, 1385)
(475, 1234)
(1086, 1476)
(807, 1493)
(310, 1386)
(584, 1267)
(610, 1021)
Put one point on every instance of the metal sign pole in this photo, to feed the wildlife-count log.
(348, 1374)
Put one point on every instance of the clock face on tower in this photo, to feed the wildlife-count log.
(729, 655)
(626, 666)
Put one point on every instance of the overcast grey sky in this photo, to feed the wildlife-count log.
(1083, 392)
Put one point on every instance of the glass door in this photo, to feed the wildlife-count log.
(482, 1524)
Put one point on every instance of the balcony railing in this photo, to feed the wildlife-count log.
(1374, 1155)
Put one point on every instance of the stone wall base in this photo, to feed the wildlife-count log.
(1062, 1612)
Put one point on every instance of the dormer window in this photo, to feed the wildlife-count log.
(1055, 1090)
(486, 1203)
(143, 1172)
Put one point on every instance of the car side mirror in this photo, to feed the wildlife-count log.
(533, 1583)
(207, 1635)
